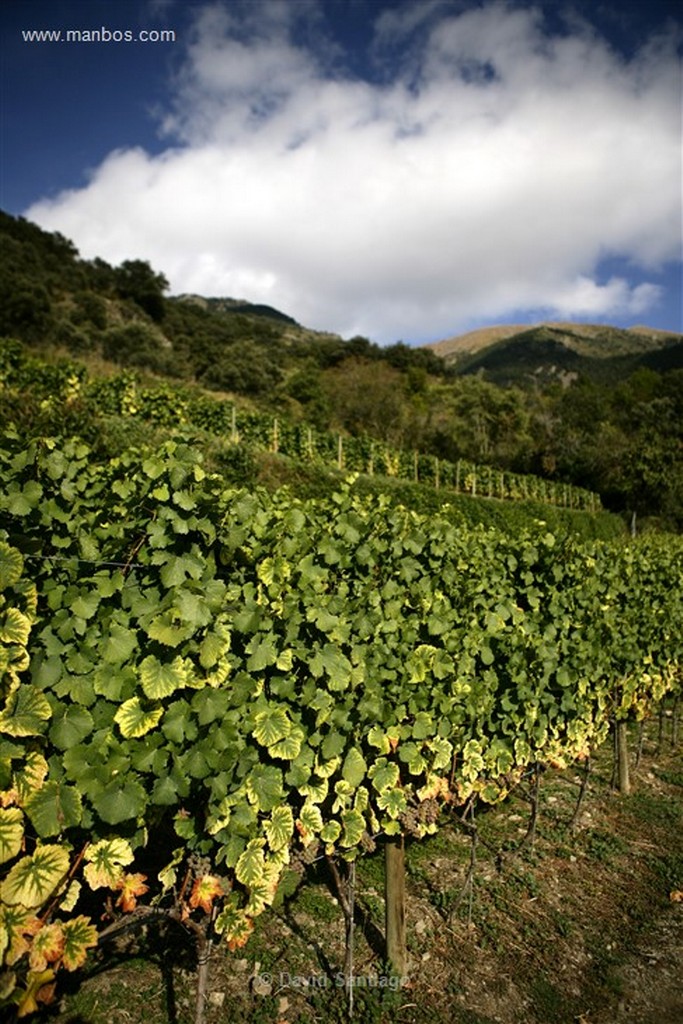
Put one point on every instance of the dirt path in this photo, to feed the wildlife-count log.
(652, 977)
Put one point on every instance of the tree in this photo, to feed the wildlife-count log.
(136, 280)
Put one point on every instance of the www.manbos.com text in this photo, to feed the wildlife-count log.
(98, 35)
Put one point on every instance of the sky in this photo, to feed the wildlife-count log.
(397, 170)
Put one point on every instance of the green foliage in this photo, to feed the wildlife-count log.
(259, 675)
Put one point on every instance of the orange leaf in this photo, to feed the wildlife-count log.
(204, 892)
(240, 934)
(48, 946)
(131, 886)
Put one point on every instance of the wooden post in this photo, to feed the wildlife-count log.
(276, 438)
(395, 903)
(622, 758)
(340, 453)
(436, 472)
(415, 474)
(233, 426)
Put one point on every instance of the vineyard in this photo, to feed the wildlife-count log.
(205, 689)
(165, 405)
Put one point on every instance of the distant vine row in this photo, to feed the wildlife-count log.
(170, 406)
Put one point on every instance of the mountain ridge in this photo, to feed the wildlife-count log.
(636, 338)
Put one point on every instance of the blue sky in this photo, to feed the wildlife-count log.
(394, 169)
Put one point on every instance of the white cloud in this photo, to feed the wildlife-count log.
(490, 175)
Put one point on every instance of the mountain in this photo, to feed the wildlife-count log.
(513, 354)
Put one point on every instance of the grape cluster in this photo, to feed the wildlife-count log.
(303, 856)
(414, 818)
(199, 866)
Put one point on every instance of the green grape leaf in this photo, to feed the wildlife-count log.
(71, 724)
(167, 630)
(423, 725)
(117, 803)
(86, 604)
(54, 808)
(33, 879)
(169, 874)
(213, 647)
(354, 768)
(164, 792)
(210, 705)
(263, 652)
(119, 645)
(289, 747)
(333, 744)
(394, 802)
(378, 738)
(30, 776)
(264, 786)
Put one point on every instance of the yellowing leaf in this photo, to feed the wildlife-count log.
(79, 936)
(47, 946)
(11, 832)
(309, 823)
(280, 827)
(14, 627)
(251, 864)
(31, 776)
(11, 566)
(262, 892)
(39, 989)
(161, 680)
(106, 861)
(271, 725)
(69, 900)
(133, 720)
(234, 923)
(26, 713)
(33, 879)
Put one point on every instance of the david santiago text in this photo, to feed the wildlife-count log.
(286, 980)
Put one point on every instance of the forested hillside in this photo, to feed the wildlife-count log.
(618, 432)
